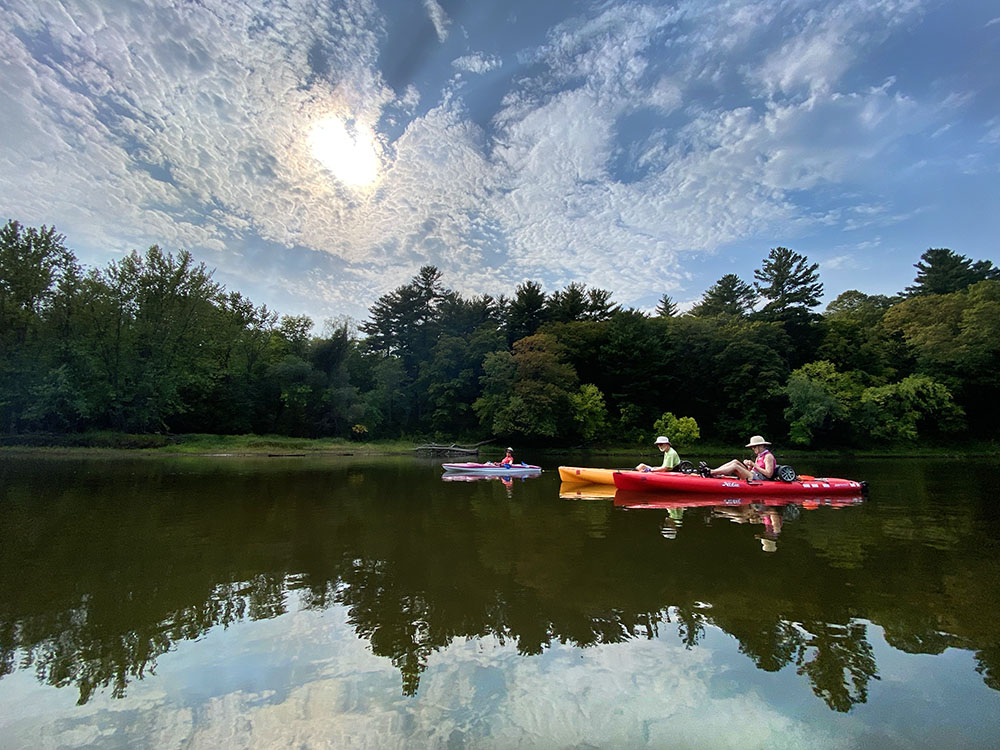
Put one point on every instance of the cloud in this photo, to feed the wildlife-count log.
(477, 63)
(438, 17)
(623, 143)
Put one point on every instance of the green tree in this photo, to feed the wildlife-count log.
(539, 402)
(730, 295)
(821, 402)
(149, 325)
(955, 339)
(666, 307)
(901, 411)
(853, 338)
(38, 277)
(682, 431)
(633, 367)
(589, 411)
(943, 271)
(386, 404)
(405, 322)
(527, 311)
(786, 281)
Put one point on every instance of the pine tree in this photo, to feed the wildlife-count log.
(942, 271)
(730, 295)
(787, 282)
(666, 308)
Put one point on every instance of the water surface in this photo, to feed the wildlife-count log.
(347, 602)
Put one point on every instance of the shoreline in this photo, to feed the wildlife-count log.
(276, 446)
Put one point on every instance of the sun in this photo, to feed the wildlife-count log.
(349, 154)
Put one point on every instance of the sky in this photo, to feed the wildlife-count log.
(316, 154)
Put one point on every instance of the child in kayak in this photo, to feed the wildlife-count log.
(670, 457)
(761, 468)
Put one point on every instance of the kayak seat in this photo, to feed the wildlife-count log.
(785, 473)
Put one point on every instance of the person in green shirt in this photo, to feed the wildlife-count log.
(670, 457)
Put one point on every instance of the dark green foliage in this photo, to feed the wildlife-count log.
(527, 311)
(942, 271)
(787, 282)
(576, 302)
(152, 344)
(666, 307)
(730, 295)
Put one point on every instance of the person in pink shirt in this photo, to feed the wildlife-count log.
(762, 467)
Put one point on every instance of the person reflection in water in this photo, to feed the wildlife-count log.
(673, 521)
(767, 515)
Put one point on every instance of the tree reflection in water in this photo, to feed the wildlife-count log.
(95, 587)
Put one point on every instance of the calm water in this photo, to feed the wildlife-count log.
(339, 602)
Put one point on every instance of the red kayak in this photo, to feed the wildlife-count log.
(672, 481)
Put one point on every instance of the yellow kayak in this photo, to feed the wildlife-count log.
(584, 475)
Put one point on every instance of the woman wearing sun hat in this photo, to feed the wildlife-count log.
(761, 468)
(670, 457)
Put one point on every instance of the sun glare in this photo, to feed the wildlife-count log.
(349, 154)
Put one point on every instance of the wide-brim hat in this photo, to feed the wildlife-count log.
(757, 440)
(662, 439)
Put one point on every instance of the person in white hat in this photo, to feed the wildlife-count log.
(670, 457)
(761, 468)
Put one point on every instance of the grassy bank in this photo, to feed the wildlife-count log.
(278, 445)
(236, 445)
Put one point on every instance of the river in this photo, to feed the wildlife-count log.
(359, 602)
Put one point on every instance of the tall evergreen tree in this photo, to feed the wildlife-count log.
(730, 295)
(787, 281)
(405, 321)
(942, 271)
(666, 307)
(576, 302)
(526, 312)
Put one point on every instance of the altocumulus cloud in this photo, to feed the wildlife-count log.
(611, 148)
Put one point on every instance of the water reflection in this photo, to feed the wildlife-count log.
(768, 512)
(105, 567)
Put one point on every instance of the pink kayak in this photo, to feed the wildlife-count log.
(491, 469)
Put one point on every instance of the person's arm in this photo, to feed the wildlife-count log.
(770, 465)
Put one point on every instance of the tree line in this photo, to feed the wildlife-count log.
(151, 343)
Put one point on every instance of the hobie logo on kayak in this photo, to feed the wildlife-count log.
(730, 484)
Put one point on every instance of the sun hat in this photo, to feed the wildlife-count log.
(757, 440)
(510, 450)
(662, 439)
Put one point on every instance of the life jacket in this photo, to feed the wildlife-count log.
(761, 464)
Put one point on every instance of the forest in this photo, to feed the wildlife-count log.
(151, 344)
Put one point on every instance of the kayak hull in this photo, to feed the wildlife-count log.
(586, 475)
(638, 481)
(495, 470)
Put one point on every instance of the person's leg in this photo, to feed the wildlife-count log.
(732, 468)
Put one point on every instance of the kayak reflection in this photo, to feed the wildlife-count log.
(586, 491)
(507, 480)
(770, 512)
